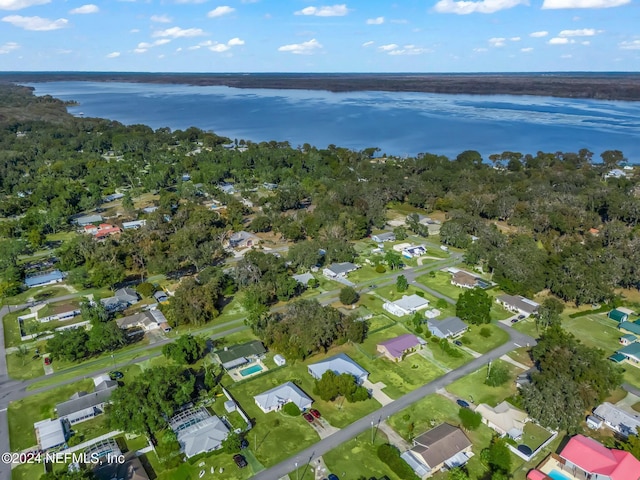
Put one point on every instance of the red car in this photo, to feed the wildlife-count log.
(308, 417)
(47, 361)
(315, 413)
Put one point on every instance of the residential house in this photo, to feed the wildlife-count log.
(243, 239)
(58, 311)
(103, 231)
(585, 458)
(227, 188)
(396, 348)
(84, 406)
(236, 355)
(41, 279)
(160, 296)
(339, 269)
(628, 339)
(615, 173)
(518, 304)
(414, 251)
(433, 226)
(594, 422)
(620, 314)
(130, 469)
(150, 209)
(444, 446)
(51, 433)
(134, 225)
(631, 353)
(407, 305)
(621, 421)
(276, 398)
(104, 448)
(463, 279)
(197, 431)
(87, 220)
(142, 320)
(630, 327)
(504, 418)
(303, 278)
(122, 298)
(338, 364)
(384, 237)
(450, 327)
(90, 229)
(113, 197)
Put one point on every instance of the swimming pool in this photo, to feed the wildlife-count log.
(250, 370)
(556, 475)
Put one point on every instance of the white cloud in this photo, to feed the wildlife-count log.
(388, 47)
(484, 6)
(583, 32)
(630, 45)
(220, 11)
(219, 47)
(527, 49)
(558, 41)
(497, 42)
(368, 44)
(146, 45)
(558, 4)
(375, 21)
(161, 18)
(113, 55)
(304, 48)
(586, 42)
(325, 11)
(20, 4)
(234, 42)
(515, 39)
(567, 55)
(540, 34)
(85, 9)
(139, 50)
(409, 50)
(480, 50)
(177, 32)
(194, 47)
(179, 49)
(8, 47)
(36, 23)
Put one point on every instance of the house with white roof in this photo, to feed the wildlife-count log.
(407, 305)
(384, 237)
(197, 431)
(504, 419)
(51, 433)
(448, 327)
(621, 421)
(339, 269)
(276, 398)
(338, 364)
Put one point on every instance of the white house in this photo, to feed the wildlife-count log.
(407, 305)
(618, 420)
(449, 327)
(383, 237)
(279, 360)
(518, 304)
(276, 398)
(197, 431)
(339, 269)
(414, 251)
(134, 225)
(338, 364)
(504, 419)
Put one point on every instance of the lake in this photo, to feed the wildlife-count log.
(399, 123)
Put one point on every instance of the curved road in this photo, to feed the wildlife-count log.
(516, 340)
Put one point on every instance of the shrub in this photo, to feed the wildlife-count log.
(498, 375)
(465, 340)
(348, 296)
(470, 419)
(427, 334)
(380, 269)
(391, 456)
(146, 289)
(485, 332)
(291, 409)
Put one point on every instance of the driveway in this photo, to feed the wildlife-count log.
(376, 392)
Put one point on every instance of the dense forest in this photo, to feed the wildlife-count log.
(548, 220)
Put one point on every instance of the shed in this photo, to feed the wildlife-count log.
(230, 406)
(618, 315)
(279, 360)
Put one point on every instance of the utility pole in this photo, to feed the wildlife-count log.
(371, 432)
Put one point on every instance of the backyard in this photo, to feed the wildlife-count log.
(473, 388)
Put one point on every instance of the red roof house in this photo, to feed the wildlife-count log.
(537, 475)
(105, 229)
(587, 455)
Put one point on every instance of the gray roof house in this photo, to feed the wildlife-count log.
(56, 276)
(84, 406)
(144, 320)
(618, 420)
(339, 269)
(50, 433)
(303, 278)
(236, 355)
(338, 364)
(198, 431)
(384, 237)
(518, 304)
(406, 305)
(449, 327)
(88, 220)
(122, 298)
(160, 296)
(274, 399)
(243, 239)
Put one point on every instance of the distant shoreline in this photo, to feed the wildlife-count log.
(597, 86)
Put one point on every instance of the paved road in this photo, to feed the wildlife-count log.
(517, 339)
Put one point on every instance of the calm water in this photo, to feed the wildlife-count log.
(397, 123)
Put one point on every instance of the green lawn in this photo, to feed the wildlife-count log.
(430, 412)
(481, 344)
(24, 413)
(49, 290)
(24, 368)
(379, 322)
(534, 435)
(472, 387)
(12, 328)
(91, 428)
(441, 282)
(365, 274)
(631, 374)
(444, 358)
(527, 326)
(595, 330)
(27, 472)
(522, 355)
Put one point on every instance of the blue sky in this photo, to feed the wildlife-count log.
(320, 36)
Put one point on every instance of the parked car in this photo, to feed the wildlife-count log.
(308, 417)
(244, 443)
(47, 361)
(462, 403)
(521, 317)
(315, 413)
(333, 476)
(514, 320)
(241, 462)
(116, 375)
(458, 343)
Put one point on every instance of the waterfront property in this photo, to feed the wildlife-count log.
(584, 458)
(407, 305)
(620, 421)
(450, 327)
(338, 364)
(444, 446)
(274, 399)
(396, 348)
(518, 304)
(197, 431)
